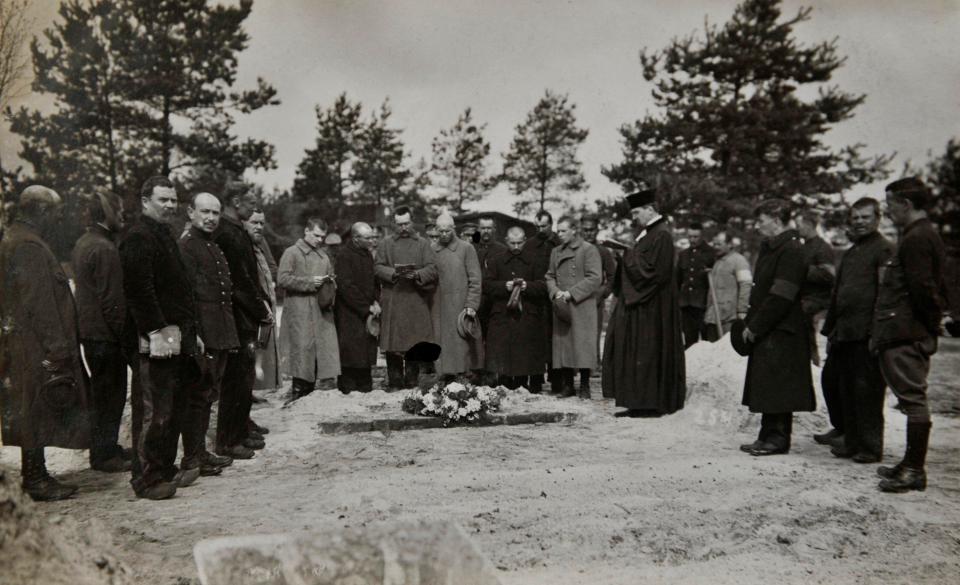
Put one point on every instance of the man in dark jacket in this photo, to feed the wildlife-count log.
(693, 266)
(779, 381)
(906, 323)
(853, 387)
(358, 294)
(237, 435)
(589, 227)
(44, 395)
(210, 276)
(98, 277)
(487, 248)
(518, 298)
(162, 331)
(538, 249)
(821, 271)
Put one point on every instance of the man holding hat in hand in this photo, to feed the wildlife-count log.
(358, 299)
(643, 361)
(455, 306)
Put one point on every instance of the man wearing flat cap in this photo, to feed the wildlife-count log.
(457, 298)
(44, 393)
(779, 381)
(906, 323)
(693, 268)
(643, 361)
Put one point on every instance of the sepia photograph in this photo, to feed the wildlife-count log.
(466, 292)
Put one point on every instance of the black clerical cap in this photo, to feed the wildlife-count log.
(641, 198)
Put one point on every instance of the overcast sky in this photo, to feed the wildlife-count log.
(433, 58)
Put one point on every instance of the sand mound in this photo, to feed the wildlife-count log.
(54, 551)
(715, 377)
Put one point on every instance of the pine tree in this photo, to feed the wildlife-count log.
(460, 162)
(325, 173)
(943, 175)
(542, 162)
(141, 87)
(379, 171)
(733, 126)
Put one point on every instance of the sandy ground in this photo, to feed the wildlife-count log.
(600, 500)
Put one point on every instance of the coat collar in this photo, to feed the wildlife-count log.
(657, 222)
(99, 230)
(781, 239)
(200, 234)
(452, 246)
(307, 248)
(413, 236)
(914, 224)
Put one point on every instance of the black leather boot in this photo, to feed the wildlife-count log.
(911, 475)
(38, 484)
(584, 391)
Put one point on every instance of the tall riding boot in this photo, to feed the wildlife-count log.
(584, 391)
(37, 482)
(912, 474)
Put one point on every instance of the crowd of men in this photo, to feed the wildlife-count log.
(195, 320)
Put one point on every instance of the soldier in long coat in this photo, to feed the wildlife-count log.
(515, 339)
(458, 290)
(574, 278)
(308, 335)
(643, 361)
(779, 381)
(405, 297)
(39, 343)
(358, 294)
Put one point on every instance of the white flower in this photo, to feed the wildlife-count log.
(462, 412)
(455, 387)
(473, 405)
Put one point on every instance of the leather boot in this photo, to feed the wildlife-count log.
(584, 391)
(911, 475)
(38, 484)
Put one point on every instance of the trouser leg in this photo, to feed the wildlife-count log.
(905, 368)
(831, 380)
(159, 425)
(236, 394)
(33, 465)
(870, 391)
(395, 377)
(108, 385)
(411, 373)
(691, 319)
(201, 397)
(777, 429)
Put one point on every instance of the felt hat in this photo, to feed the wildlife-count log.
(59, 392)
(562, 310)
(423, 351)
(736, 338)
(468, 327)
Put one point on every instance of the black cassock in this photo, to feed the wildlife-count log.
(643, 361)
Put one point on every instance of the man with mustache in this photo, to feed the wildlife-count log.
(163, 329)
(853, 386)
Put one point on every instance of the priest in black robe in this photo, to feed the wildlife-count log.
(643, 362)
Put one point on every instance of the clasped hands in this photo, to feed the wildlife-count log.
(563, 295)
(512, 283)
